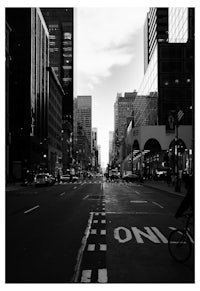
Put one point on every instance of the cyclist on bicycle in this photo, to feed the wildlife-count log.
(188, 200)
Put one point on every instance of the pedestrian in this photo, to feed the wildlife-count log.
(58, 177)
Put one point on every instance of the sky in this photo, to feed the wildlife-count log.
(108, 60)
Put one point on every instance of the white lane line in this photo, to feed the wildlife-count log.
(138, 201)
(31, 209)
(95, 221)
(74, 187)
(138, 193)
(103, 232)
(102, 276)
(61, 194)
(103, 247)
(81, 250)
(157, 204)
(86, 197)
(91, 247)
(86, 276)
(103, 221)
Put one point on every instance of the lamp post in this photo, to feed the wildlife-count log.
(177, 184)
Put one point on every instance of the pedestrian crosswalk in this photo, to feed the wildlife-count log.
(80, 182)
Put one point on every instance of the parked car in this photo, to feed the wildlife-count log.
(42, 179)
(65, 178)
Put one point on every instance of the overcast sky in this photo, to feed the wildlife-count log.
(109, 59)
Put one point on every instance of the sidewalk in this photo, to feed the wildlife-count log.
(162, 185)
(16, 186)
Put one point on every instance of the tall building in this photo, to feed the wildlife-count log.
(99, 155)
(60, 25)
(111, 138)
(56, 93)
(170, 71)
(84, 116)
(155, 30)
(8, 133)
(28, 90)
(145, 110)
(123, 108)
(94, 149)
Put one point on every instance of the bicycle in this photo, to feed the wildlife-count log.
(181, 241)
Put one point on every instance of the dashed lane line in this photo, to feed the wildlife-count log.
(157, 204)
(31, 209)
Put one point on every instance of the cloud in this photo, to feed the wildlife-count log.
(105, 39)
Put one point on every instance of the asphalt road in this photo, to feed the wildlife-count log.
(92, 231)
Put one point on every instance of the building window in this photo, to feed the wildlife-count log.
(67, 35)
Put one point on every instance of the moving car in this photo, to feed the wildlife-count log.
(65, 178)
(74, 178)
(42, 179)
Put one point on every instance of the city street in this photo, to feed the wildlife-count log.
(92, 231)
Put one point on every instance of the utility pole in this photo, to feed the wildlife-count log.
(179, 115)
(177, 184)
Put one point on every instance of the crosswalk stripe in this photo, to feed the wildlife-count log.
(86, 276)
(102, 276)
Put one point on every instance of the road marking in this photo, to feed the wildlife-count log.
(137, 192)
(74, 187)
(136, 212)
(103, 247)
(102, 276)
(123, 235)
(86, 276)
(81, 250)
(103, 221)
(160, 235)
(61, 194)
(128, 235)
(95, 221)
(188, 234)
(31, 209)
(149, 234)
(86, 197)
(91, 247)
(157, 204)
(103, 232)
(138, 201)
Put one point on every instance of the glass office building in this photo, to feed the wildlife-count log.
(60, 25)
(170, 71)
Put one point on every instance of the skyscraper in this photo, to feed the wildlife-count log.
(155, 30)
(84, 115)
(170, 71)
(123, 108)
(111, 137)
(28, 89)
(60, 26)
